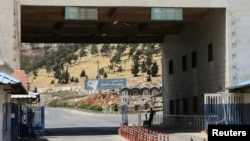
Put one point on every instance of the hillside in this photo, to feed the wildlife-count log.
(89, 64)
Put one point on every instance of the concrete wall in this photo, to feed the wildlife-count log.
(207, 77)
(5, 126)
(5, 133)
(9, 33)
(238, 40)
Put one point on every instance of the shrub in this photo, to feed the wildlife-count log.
(136, 107)
(84, 106)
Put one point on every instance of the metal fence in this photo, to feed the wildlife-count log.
(176, 121)
(184, 121)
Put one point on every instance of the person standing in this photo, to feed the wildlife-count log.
(151, 115)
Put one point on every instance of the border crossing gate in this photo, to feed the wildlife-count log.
(223, 108)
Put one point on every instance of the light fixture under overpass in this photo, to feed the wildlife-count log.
(81, 13)
(115, 22)
(166, 14)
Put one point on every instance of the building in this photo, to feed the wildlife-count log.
(207, 56)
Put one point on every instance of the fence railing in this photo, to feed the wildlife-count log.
(176, 121)
(184, 121)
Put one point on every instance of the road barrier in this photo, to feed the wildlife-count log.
(139, 133)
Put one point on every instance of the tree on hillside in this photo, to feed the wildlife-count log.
(105, 50)
(57, 75)
(149, 79)
(94, 49)
(82, 53)
(120, 48)
(65, 77)
(105, 75)
(143, 67)
(132, 50)
(116, 60)
(101, 71)
(35, 73)
(83, 74)
(48, 69)
(135, 68)
(119, 69)
(154, 69)
(72, 79)
(76, 80)
(149, 61)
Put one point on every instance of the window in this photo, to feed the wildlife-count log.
(185, 106)
(195, 104)
(171, 67)
(171, 106)
(177, 104)
(194, 59)
(184, 63)
(210, 52)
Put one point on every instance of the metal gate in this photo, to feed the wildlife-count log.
(223, 108)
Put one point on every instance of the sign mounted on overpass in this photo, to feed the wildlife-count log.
(166, 14)
(81, 13)
(103, 84)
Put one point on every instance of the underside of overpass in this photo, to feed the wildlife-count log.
(47, 24)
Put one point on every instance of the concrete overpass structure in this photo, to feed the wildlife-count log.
(204, 52)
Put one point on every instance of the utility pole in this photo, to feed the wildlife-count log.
(98, 73)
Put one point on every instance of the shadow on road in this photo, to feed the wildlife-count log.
(77, 131)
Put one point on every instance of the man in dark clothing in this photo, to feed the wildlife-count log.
(151, 115)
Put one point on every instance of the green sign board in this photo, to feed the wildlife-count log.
(103, 84)
(81, 13)
(166, 14)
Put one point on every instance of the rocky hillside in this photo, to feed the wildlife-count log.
(89, 64)
(73, 94)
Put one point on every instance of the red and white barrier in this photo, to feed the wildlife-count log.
(139, 133)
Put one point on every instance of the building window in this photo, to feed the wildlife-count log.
(184, 63)
(171, 66)
(210, 52)
(194, 59)
(171, 107)
(185, 106)
(195, 104)
(177, 105)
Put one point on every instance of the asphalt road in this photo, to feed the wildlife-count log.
(73, 125)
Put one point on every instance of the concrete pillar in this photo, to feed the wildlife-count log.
(10, 32)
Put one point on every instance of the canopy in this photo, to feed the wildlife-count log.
(16, 86)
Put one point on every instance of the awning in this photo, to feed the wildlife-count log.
(15, 85)
(240, 85)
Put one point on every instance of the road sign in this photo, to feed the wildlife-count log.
(104, 84)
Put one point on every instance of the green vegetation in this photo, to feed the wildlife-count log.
(59, 103)
(146, 105)
(56, 62)
(91, 107)
(136, 107)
